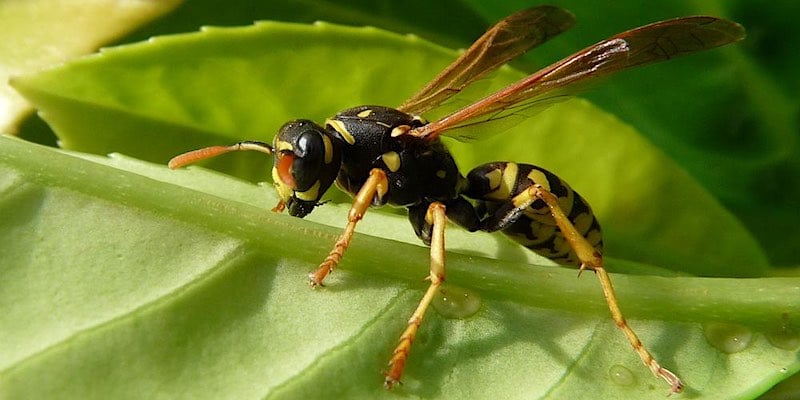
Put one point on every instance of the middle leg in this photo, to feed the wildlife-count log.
(437, 218)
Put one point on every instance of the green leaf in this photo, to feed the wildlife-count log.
(36, 34)
(182, 284)
(400, 17)
(173, 292)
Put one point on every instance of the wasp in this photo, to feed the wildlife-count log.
(382, 155)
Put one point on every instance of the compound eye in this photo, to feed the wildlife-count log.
(309, 153)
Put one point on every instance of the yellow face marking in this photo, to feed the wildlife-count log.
(310, 194)
(392, 160)
(364, 114)
(284, 191)
(441, 174)
(280, 145)
(339, 126)
(539, 177)
(328, 149)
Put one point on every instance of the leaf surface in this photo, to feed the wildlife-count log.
(172, 292)
(36, 34)
(129, 280)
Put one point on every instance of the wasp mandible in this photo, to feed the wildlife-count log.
(383, 155)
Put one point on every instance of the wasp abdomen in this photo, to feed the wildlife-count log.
(496, 185)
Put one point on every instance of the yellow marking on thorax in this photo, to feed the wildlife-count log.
(400, 130)
(339, 126)
(364, 114)
(328, 149)
(392, 160)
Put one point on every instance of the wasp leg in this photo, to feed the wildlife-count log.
(376, 185)
(590, 258)
(437, 218)
(459, 211)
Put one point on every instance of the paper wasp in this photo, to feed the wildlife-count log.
(393, 156)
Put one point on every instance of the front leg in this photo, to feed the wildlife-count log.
(376, 185)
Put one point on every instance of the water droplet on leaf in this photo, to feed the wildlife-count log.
(728, 338)
(456, 303)
(784, 338)
(621, 375)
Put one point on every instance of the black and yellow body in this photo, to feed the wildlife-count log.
(383, 155)
(496, 184)
(420, 172)
(417, 170)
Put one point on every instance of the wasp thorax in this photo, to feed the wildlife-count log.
(307, 160)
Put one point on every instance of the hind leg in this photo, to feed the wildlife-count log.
(590, 258)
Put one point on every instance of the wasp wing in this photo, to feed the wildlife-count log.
(652, 43)
(503, 42)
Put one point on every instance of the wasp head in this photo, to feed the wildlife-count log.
(307, 160)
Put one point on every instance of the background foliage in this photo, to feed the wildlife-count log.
(117, 280)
